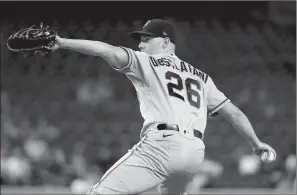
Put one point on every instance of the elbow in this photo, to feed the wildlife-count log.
(237, 112)
(231, 112)
(236, 115)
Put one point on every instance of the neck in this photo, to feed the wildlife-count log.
(168, 50)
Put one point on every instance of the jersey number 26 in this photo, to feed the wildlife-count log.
(191, 93)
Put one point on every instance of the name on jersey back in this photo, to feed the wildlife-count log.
(184, 67)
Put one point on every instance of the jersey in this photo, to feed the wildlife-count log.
(170, 90)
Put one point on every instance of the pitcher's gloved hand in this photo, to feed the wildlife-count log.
(33, 40)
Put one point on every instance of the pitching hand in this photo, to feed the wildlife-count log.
(262, 147)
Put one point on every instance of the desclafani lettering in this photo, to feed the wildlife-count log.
(184, 67)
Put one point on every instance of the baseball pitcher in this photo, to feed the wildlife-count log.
(175, 101)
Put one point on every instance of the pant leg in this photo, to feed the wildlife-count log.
(151, 162)
(176, 184)
(190, 156)
(140, 169)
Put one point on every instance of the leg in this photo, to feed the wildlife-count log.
(180, 182)
(134, 173)
(176, 184)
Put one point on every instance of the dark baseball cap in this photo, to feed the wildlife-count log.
(156, 28)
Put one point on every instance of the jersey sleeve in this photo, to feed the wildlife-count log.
(136, 62)
(215, 98)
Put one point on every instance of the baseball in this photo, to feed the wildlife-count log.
(267, 158)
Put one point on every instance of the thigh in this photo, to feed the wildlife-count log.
(134, 173)
(189, 163)
(176, 184)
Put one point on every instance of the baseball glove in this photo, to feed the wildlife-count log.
(32, 40)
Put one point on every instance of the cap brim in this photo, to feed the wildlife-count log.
(137, 34)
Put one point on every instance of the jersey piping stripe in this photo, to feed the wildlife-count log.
(218, 107)
(206, 78)
(121, 160)
(129, 61)
(129, 57)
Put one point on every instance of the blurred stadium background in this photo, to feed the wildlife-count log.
(67, 117)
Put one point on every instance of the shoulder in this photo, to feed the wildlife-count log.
(134, 52)
(134, 57)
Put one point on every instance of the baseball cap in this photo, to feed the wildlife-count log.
(156, 28)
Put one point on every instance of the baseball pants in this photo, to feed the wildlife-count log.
(172, 160)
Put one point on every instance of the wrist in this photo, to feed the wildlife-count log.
(60, 42)
(255, 143)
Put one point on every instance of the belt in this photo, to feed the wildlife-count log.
(164, 126)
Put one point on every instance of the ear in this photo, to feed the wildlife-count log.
(166, 42)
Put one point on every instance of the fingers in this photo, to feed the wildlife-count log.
(266, 148)
(272, 151)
